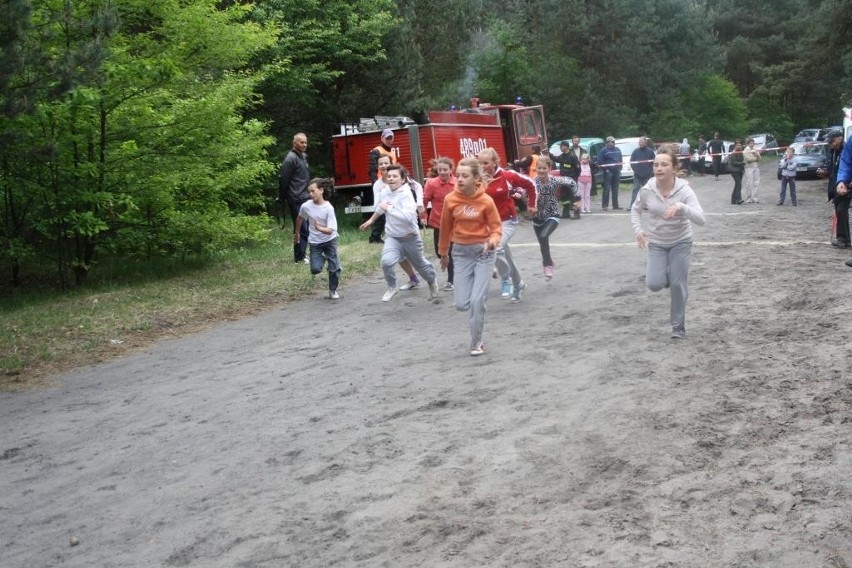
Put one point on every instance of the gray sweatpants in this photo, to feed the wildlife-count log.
(471, 280)
(505, 263)
(411, 247)
(668, 265)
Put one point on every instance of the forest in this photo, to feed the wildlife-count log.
(141, 129)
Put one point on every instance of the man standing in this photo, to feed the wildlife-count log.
(610, 161)
(838, 191)
(385, 148)
(293, 189)
(642, 161)
(715, 147)
(569, 166)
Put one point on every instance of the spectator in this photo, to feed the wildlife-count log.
(788, 176)
(610, 161)
(736, 166)
(715, 147)
(293, 190)
(751, 178)
(569, 166)
(642, 161)
(684, 152)
(834, 148)
(702, 154)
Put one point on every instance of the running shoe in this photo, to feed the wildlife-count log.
(548, 272)
(390, 294)
(411, 284)
(506, 289)
(333, 295)
(448, 287)
(678, 334)
(477, 349)
(518, 294)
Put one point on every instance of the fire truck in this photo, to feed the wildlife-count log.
(511, 129)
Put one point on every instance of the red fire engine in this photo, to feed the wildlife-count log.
(511, 129)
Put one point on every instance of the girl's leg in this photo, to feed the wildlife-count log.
(392, 254)
(334, 267)
(656, 272)
(783, 193)
(542, 233)
(793, 198)
(586, 189)
(484, 264)
(413, 251)
(464, 257)
(679, 256)
(503, 262)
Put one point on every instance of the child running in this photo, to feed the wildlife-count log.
(402, 234)
(435, 191)
(671, 207)
(471, 222)
(545, 212)
(322, 232)
(505, 188)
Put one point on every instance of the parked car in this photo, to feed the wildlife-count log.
(589, 144)
(765, 143)
(808, 135)
(727, 148)
(824, 132)
(810, 157)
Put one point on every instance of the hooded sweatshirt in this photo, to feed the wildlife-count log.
(468, 220)
(666, 231)
(401, 213)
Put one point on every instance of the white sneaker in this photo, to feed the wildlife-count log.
(390, 294)
(333, 295)
(448, 287)
(477, 349)
(505, 289)
(411, 284)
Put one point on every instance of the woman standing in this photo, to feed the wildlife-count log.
(435, 191)
(736, 165)
(752, 171)
(470, 222)
(669, 207)
(546, 211)
(505, 188)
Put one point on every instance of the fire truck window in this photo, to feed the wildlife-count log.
(529, 127)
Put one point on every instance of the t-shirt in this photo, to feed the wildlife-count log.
(324, 217)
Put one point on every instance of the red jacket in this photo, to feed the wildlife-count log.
(501, 188)
(434, 192)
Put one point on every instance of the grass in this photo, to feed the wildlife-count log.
(43, 332)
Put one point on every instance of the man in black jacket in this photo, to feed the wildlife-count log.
(834, 146)
(293, 189)
(715, 148)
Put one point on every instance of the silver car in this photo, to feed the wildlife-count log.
(765, 143)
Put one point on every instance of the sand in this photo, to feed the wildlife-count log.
(362, 433)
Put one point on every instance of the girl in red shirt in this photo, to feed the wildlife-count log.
(434, 192)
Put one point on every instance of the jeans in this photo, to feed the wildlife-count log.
(322, 252)
(737, 194)
(785, 181)
(638, 183)
(472, 280)
(611, 177)
(299, 250)
(668, 265)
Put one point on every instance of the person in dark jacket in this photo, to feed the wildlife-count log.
(833, 149)
(736, 167)
(569, 166)
(610, 161)
(293, 182)
(714, 147)
(642, 162)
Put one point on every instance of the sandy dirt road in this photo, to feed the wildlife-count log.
(359, 433)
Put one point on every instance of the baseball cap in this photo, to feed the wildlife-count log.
(387, 132)
(610, 139)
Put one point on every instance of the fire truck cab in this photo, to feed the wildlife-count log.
(511, 129)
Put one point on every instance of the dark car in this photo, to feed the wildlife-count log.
(810, 157)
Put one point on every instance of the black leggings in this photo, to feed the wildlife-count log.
(543, 230)
(436, 236)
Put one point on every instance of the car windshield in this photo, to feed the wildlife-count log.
(759, 140)
(808, 149)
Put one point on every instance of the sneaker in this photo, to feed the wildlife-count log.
(548, 272)
(518, 294)
(448, 287)
(505, 289)
(477, 349)
(333, 295)
(678, 334)
(848, 262)
(390, 294)
(411, 284)
(433, 290)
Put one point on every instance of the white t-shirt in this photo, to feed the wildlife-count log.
(324, 216)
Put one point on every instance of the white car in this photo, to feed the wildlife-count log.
(627, 145)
